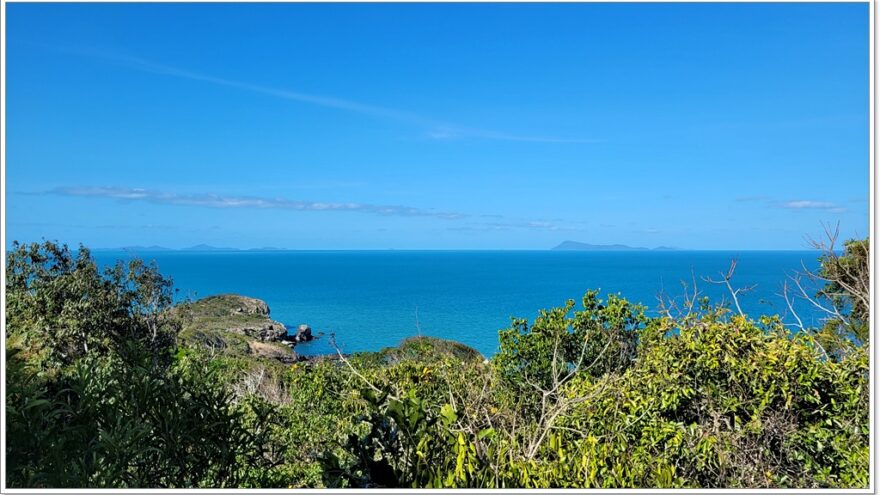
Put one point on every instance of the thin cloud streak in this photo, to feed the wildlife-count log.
(813, 205)
(799, 204)
(749, 199)
(436, 129)
(218, 201)
(808, 204)
(534, 225)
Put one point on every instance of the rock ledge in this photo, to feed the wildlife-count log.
(210, 321)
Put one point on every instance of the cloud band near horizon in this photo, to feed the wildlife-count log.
(475, 222)
(220, 202)
(797, 204)
(813, 205)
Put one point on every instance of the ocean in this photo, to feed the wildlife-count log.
(373, 299)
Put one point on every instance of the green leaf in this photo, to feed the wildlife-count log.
(448, 414)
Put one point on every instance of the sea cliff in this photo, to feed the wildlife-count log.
(236, 325)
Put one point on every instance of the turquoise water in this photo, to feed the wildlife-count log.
(373, 299)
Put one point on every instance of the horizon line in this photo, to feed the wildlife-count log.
(294, 250)
(206, 248)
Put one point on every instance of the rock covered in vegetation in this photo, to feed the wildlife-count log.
(237, 325)
(233, 313)
(424, 347)
(246, 305)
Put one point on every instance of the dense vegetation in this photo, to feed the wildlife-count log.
(101, 392)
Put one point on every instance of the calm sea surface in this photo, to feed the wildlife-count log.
(373, 299)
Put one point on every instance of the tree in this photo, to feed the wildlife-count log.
(61, 306)
(94, 397)
(843, 295)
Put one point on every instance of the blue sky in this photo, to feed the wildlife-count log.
(444, 126)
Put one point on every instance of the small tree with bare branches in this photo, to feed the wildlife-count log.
(840, 290)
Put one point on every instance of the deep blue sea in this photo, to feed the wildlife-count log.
(374, 299)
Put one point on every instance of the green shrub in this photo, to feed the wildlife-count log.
(94, 398)
(99, 394)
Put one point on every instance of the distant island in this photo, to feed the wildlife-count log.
(583, 246)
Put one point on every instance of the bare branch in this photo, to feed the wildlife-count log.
(785, 291)
(352, 368)
(725, 280)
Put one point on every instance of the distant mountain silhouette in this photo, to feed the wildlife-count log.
(206, 247)
(135, 248)
(583, 246)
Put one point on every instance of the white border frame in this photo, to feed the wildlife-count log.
(872, 6)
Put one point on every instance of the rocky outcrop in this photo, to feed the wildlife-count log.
(233, 313)
(276, 352)
(221, 317)
(269, 331)
(229, 304)
(246, 305)
(303, 333)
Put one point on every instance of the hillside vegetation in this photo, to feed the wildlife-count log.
(109, 385)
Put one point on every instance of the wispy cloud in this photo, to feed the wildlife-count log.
(798, 204)
(149, 226)
(221, 201)
(804, 204)
(750, 199)
(435, 129)
(535, 225)
(474, 222)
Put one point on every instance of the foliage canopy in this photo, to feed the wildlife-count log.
(101, 393)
